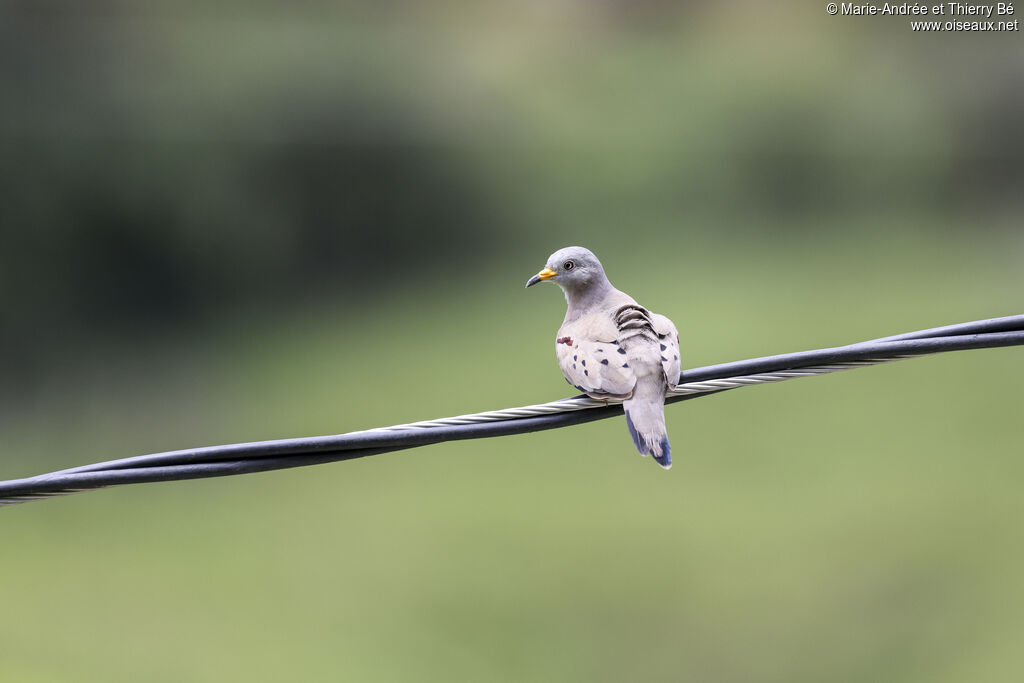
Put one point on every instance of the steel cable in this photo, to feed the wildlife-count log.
(242, 458)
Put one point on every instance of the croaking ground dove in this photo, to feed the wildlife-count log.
(609, 346)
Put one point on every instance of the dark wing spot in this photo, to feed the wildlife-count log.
(584, 361)
(587, 373)
(573, 366)
(600, 350)
(574, 356)
(663, 347)
(664, 360)
(675, 357)
(625, 365)
(604, 361)
(622, 351)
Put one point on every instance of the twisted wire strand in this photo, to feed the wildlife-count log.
(585, 402)
(242, 458)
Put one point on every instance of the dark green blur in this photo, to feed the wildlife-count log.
(241, 221)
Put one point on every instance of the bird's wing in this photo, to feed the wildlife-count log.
(668, 339)
(591, 358)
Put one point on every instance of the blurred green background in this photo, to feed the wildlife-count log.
(234, 221)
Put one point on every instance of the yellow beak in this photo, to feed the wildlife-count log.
(545, 274)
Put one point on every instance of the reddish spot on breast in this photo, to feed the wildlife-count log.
(564, 340)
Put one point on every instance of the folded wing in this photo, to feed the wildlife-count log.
(591, 358)
(668, 340)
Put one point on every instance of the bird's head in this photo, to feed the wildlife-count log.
(571, 268)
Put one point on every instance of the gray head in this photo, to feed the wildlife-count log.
(574, 269)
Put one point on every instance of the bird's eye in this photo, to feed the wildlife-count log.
(568, 265)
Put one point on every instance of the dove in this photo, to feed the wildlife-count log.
(609, 346)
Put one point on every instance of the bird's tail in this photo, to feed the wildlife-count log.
(645, 417)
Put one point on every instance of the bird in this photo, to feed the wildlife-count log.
(611, 347)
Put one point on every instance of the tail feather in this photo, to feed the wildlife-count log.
(638, 440)
(646, 422)
(665, 459)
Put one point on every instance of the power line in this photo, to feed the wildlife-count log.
(243, 458)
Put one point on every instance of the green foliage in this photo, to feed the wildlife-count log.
(164, 163)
